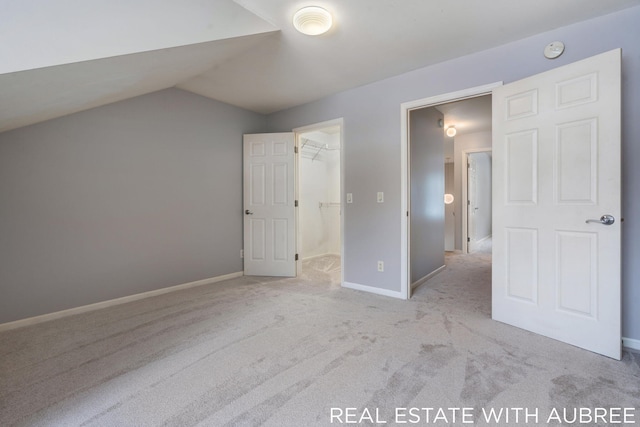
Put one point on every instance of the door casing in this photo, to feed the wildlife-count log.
(405, 196)
(310, 128)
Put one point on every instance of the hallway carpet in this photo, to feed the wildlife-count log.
(293, 352)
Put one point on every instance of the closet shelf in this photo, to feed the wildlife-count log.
(311, 149)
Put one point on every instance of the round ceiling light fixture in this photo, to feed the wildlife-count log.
(312, 20)
(451, 131)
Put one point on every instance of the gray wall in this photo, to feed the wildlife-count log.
(126, 198)
(372, 140)
(426, 148)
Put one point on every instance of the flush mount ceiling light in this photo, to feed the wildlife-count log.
(451, 131)
(312, 20)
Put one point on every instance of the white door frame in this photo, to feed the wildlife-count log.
(310, 128)
(465, 185)
(405, 198)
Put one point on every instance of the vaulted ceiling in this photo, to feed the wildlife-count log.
(64, 56)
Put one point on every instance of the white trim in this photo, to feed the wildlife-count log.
(318, 126)
(405, 107)
(464, 184)
(405, 259)
(113, 302)
(485, 238)
(631, 343)
(371, 289)
(427, 277)
(309, 128)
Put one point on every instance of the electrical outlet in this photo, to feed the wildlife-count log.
(241, 253)
(380, 197)
(380, 265)
(349, 197)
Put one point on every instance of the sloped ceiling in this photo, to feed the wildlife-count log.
(32, 96)
(63, 56)
(70, 55)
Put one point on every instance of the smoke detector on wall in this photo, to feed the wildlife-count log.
(553, 50)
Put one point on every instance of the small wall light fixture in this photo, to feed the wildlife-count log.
(312, 20)
(448, 199)
(451, 131)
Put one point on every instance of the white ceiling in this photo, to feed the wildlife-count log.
(64, 56)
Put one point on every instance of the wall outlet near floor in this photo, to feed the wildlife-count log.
(380, 265)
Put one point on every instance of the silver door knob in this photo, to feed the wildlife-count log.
(248, 212)
(604, 219)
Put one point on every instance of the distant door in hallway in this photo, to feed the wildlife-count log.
(472, 202)
(556, 152)
(269, 205)
(478, 199)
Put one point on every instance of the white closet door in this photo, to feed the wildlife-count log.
(269, 205)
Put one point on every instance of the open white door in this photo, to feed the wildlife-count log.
(556, 148)
(269, 205)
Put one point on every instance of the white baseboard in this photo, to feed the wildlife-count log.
(110, 303)
(631, 343)
(371, 289)
(427, 277)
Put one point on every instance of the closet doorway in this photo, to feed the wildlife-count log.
(319, 195)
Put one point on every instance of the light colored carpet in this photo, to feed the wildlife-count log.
(261, 351)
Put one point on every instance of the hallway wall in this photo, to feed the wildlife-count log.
(427, 192)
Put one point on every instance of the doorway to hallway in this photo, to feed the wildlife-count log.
(450, 129)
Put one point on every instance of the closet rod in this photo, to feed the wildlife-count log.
(329, 204)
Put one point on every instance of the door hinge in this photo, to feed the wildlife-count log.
(295, 203)
(468, 239)
(468, 202)
(296, 257)
(295, 149)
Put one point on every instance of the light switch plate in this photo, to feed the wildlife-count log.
(380, 197)
(349, 197)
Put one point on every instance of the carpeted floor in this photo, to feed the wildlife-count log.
(294, 352)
